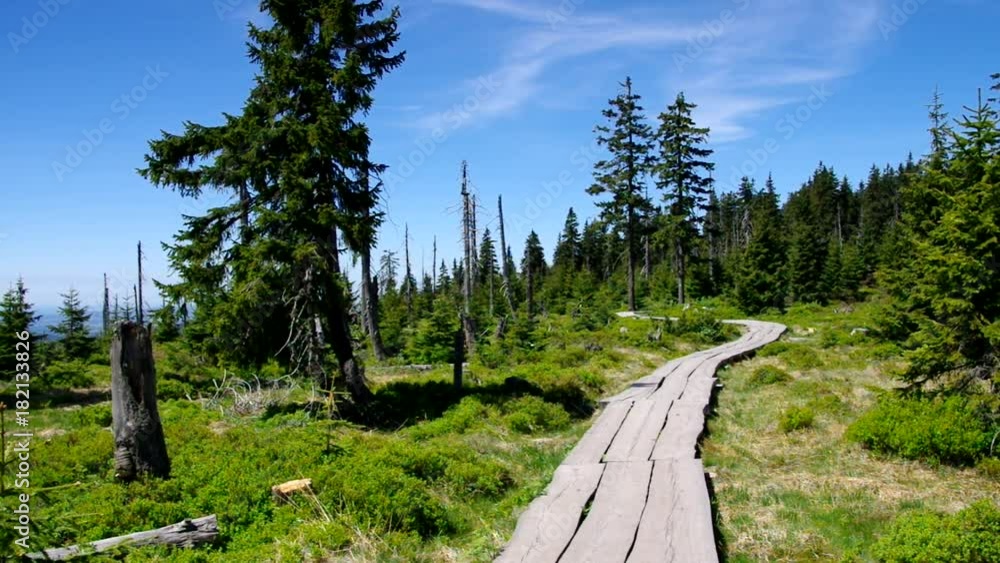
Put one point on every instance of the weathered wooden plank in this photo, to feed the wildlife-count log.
(635, 440)
(685, 423)
(591, 448)
(676, 525)
(547, 526)
(606, 534)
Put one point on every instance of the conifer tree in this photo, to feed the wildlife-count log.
(759, 283)
(947, 294)
(17, 315)
(75, 340)
(567, 253)
(629, 141)
(533, 269)
(299, 158)
(683, 173)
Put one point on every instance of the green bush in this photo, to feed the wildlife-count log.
(968, 535)
(69, 374)
(167, 389)
(97, 415)
(800, 357)
(532, 414)
(796, 418)
(773, 349)
(990, 467)
(938, 430)
(481, 477)
(768, 375)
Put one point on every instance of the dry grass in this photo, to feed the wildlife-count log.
(812, 495)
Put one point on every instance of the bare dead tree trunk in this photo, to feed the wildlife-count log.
(138, 298)
(505, 263)
(630, 251)
(369, 298)
(140, 447)
(468, 214)
(182, 534)
(434, 258)
(459, 357)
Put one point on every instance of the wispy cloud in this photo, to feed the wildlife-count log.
(758, 54)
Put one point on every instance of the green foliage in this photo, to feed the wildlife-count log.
(946, 430)
(433, 342)
(800, 357)
(99, 415)
(529, 415)
(989, 466)
(73, 374)
(925, 537)
(946, 292)
(167, 389)
(796, 418)
(74, 339)
(768, 375)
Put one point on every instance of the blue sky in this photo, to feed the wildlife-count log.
(513, 86)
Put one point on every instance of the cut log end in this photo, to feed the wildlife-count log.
(283, 491)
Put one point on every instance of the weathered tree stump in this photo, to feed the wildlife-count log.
(140, 447)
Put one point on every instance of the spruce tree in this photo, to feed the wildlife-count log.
(567, 252)
(298, 156)
(759, 282)
(533, 269)
(17, 315)
(620, 177)
(683, 173)
(947, 294)
(73, 331)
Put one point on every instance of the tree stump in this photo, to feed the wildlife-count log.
(140, 447)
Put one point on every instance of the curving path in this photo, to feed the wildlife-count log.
(633, 489)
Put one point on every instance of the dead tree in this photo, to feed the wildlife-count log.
(182, 534)
(369, 302)
(459, 359)
(469, 241)
(504, 263)
(139, 444)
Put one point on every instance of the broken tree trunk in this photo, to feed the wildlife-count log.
(182, 534)
(139, 444)
(459, 357)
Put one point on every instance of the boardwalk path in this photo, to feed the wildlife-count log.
(633, 489)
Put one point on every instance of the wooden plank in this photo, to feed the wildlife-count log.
(640, 444)
(591, 448)
(685, 423)
(676, 525)
(606, 534)
(547, 526)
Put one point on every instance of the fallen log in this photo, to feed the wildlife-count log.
(283, 491)
(182, 534)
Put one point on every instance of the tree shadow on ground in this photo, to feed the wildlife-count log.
(402, 403)
(59, 397)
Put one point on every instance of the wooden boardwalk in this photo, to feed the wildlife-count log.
(633, 489)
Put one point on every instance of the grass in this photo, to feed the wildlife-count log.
(811, 494)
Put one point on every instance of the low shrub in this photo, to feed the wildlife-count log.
(768, 375)
(773, 349)
(990, 467)
(532, 414)
(799, 357)
(796, 418)
(968, 535)
(96, 415)
(946, 430)
(167, 389)
(481, 477)
(71, 374)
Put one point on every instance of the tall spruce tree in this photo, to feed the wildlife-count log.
(567, 253)
(299, 158)
(683, 173)
(73, 330)
(629, 141)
